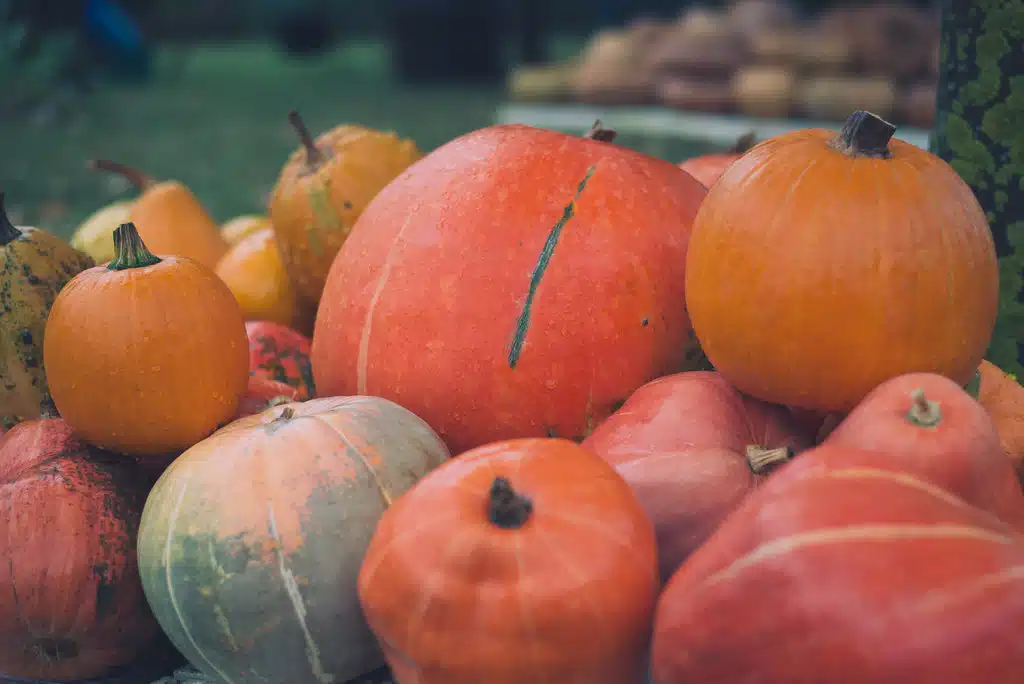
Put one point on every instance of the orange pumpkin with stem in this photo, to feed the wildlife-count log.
(169, 217)
(322, 190)
(931, 428)
(531, 561)
(708, 168)
(823, 264)
(146, 355)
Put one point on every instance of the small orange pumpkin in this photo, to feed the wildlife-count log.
(255, 274)
(707, 168)
(242, 226)
(322, 190)
(1003, 398)
(146, 355)
(821, 265)
(169, 217)
(531, 561)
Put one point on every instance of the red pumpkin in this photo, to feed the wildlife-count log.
(278, 353)
(930, 427)
(73, 605)
(525, 275)
(692, 448)
(263, 393)
(707, 168)
(844, 569)
(521, 561)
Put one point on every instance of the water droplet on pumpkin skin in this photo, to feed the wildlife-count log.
(155, 369)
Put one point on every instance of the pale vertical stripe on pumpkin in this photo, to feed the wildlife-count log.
(900, 478)
(171, 524)
(939, 600)
(291, 588)
(856, 533)
(364, 339)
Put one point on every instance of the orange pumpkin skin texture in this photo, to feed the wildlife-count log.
(73, 606)
(540, 273)
(262, 394)
(708, 168)
(930, 427)
(259, 532)
(692, 448)
(1003, 398)
(323, 188)
(842, 568)
(532, 561)
(253, 271)
(147, 355)
(170, 218)
(815, 272)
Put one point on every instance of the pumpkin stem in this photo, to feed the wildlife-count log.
(599, 133)
(129, 250)
(141, 180)
(973, 386)
(743, 143)
(314, 155)
(506, 507)
(865, 135)
(923, 412)
(281, 399)
(763, 460)
(8, 231)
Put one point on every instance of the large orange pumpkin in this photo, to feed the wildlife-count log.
(823, 264)
(515, 282)
(692, 448)
(521, 561)
(928, 426)
(844, 569)
(1003, 398)
(146, 355)
(251, 541)
(72, 605)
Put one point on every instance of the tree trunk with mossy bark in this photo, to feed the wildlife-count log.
(980, 132)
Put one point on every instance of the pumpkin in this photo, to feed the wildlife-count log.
(169, 217)
(842, 568)
(708, 167)
(34, 266)
(539, 273)
(281, 354)
(234, 230)
(323, 188)
(73, 605)
(531, 561)
(253, 271)
(94, 235)
(692, 448)
(932, 428)
(1003, 398)
(864, 257)
(253, 578)
(146, 355)
(263, 393)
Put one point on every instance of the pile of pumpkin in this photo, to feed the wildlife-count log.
(516, 464)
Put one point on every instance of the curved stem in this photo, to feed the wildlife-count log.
(8, 231)
(865, 135)
(141, 180)
(506, 507)
(314, 156)
(744, 143)
(763, 460)
(129, 250)
(600, 133)
(923, 412)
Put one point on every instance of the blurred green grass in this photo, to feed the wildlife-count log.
(214, 117)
